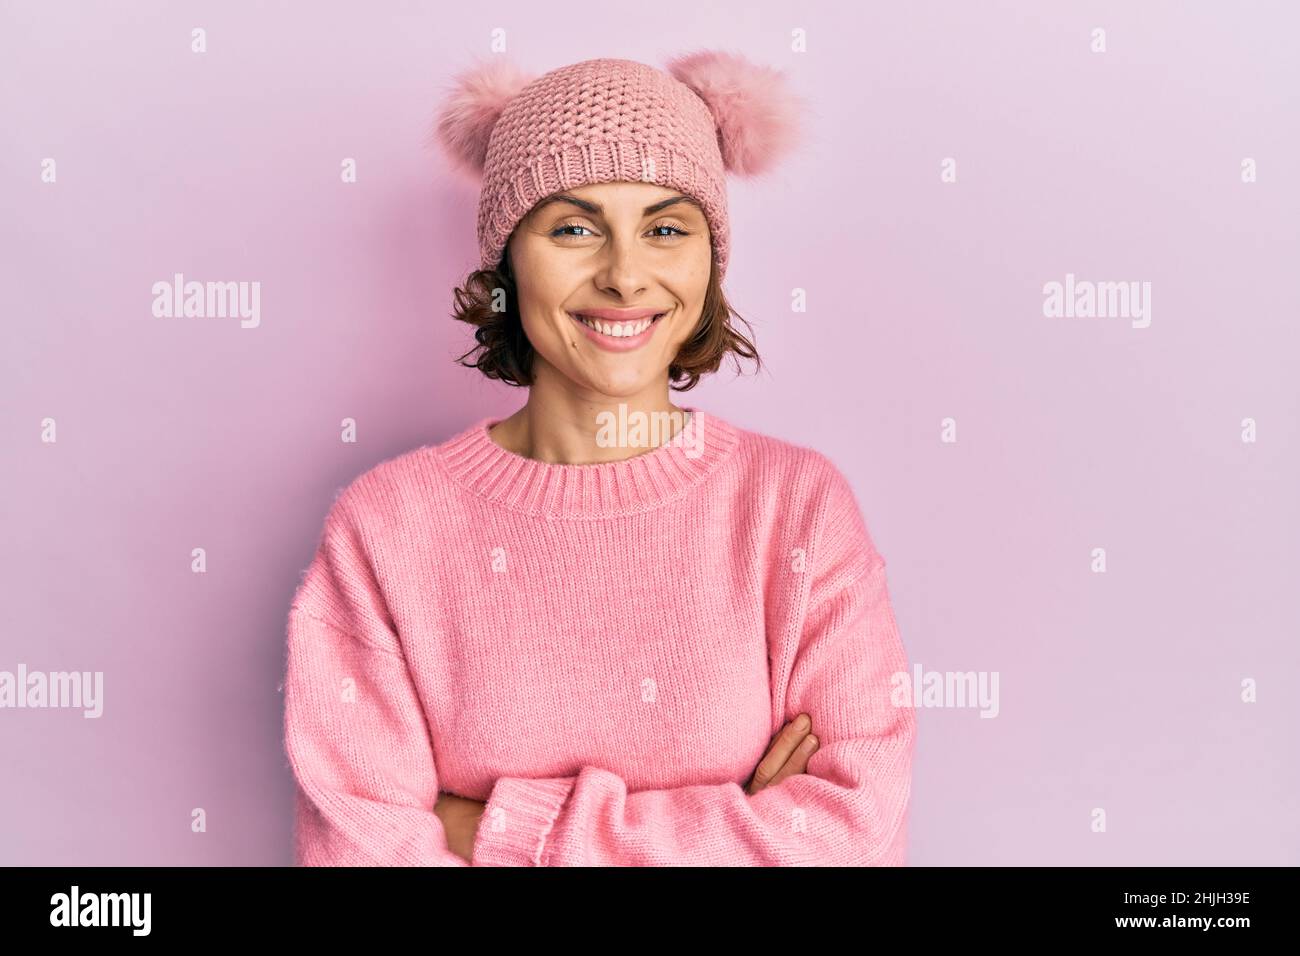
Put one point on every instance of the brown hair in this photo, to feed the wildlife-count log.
(487, 301)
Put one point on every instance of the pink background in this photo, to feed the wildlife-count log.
(1118, 690)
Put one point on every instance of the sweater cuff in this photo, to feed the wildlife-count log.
(517, 819)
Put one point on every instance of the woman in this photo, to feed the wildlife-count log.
(606, 630)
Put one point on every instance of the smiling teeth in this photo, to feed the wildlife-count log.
(617, 330)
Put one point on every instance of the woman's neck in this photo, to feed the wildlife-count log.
(580, 433)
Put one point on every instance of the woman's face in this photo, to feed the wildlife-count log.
(629, 250)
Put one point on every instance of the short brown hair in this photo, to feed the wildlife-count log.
(505, 353)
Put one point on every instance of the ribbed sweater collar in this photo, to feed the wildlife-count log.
(601, 489)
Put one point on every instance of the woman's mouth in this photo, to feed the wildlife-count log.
(618, 331)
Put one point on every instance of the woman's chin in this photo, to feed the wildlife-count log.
(616, 384)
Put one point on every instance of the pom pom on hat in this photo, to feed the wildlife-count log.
(756, 113)
(471, 109)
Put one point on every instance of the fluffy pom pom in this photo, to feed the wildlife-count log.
(756, 113)
(474, 102)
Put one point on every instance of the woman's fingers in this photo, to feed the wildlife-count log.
(786, 745)
(460, 818)
(798, 762)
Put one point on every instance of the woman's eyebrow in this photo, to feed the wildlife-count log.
(597, 209)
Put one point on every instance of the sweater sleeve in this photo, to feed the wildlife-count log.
(355, 731)
(848, 809)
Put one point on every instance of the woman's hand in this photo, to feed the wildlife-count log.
(788, 754)
(460, 817)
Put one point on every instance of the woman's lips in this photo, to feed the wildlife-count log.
(627, 321)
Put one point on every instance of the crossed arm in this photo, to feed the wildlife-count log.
(787, 754)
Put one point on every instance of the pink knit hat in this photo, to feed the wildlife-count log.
(604, 120)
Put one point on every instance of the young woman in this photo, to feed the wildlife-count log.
(606, 630)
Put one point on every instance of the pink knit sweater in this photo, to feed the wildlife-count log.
(602, 652)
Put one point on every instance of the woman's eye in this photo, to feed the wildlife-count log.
(560, 231)
(680, 232)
